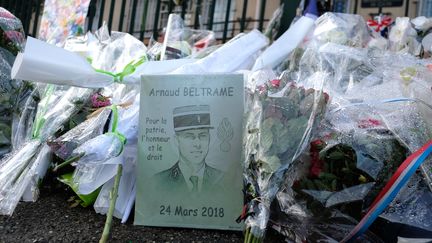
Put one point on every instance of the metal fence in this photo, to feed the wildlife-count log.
(146, 18)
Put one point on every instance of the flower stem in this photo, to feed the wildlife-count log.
(69, 161)
(114, 192)
(247, 236)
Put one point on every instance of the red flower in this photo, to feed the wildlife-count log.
(326, 97)
(317, 165)
(275, 83)
(369, 123)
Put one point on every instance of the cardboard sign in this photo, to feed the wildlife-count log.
(189, 149)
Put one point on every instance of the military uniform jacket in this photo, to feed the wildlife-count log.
(173, 181)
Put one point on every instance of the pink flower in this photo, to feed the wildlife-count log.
(99, 100)
(275, 83)
(262, 89)
(6, 14)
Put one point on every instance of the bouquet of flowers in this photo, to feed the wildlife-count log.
(280, 118)
(11, 91)
(374, 122)
(19, 168)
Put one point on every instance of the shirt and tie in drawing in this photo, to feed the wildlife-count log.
(191, 173)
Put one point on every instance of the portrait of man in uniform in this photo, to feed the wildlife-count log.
(191, 173)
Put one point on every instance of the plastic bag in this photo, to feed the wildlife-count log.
(180, 41)
(65, 144)
(11, 91)
(230, 57)
(403, 37)
(280, 117)
(126, 189)
(373, 124)
(343, 29)
(20, 167)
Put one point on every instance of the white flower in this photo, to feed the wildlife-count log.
(422, 23)
(402, 34)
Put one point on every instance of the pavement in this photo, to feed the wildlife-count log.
(52, 219)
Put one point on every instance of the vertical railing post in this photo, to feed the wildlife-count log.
(101, 13)
(227, 19)
(156, 20)
(132, 19)
(170, 6)
(243, 18)
(197, 14)
(184, 7)
(144, 20)
(36, 21)
(91, 14)
(211, 15)
(261, 15)
(111, 15)
(288, 14)
(122, 15)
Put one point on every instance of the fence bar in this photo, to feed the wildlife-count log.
(227, 17)
(407, 7)
(243, 18)
(156, 21)
(35, 24)
(28, 18)
(23, 16)
(355, 6)
(144, 19)
(211, 15)
(170, 6)
(197, 14)
(122, 15)
(14, 7)
(261, 15)
(184, 7)
(132, 19)
(91, 14)
(101, 12)
(288, 14)
(111, 15)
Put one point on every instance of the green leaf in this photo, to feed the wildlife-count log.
(266, 139)
(87, 200)
(336, 155)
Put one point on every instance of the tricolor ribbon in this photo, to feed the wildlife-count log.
(393, 186)
(379, 23)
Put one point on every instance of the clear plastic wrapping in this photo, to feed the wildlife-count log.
(280, 117)
(379, 114)
(67, 143)
(340, 28)
(11, 91)
(181, 42)
(25, 163)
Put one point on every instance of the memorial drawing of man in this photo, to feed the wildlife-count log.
(191, 173)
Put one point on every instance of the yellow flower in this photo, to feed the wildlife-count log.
(362, 179)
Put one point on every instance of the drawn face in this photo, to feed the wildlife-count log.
(193, 144)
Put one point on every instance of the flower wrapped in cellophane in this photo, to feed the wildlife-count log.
(13, 93)
(374, 122)
(280, 117)
(20, 168)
